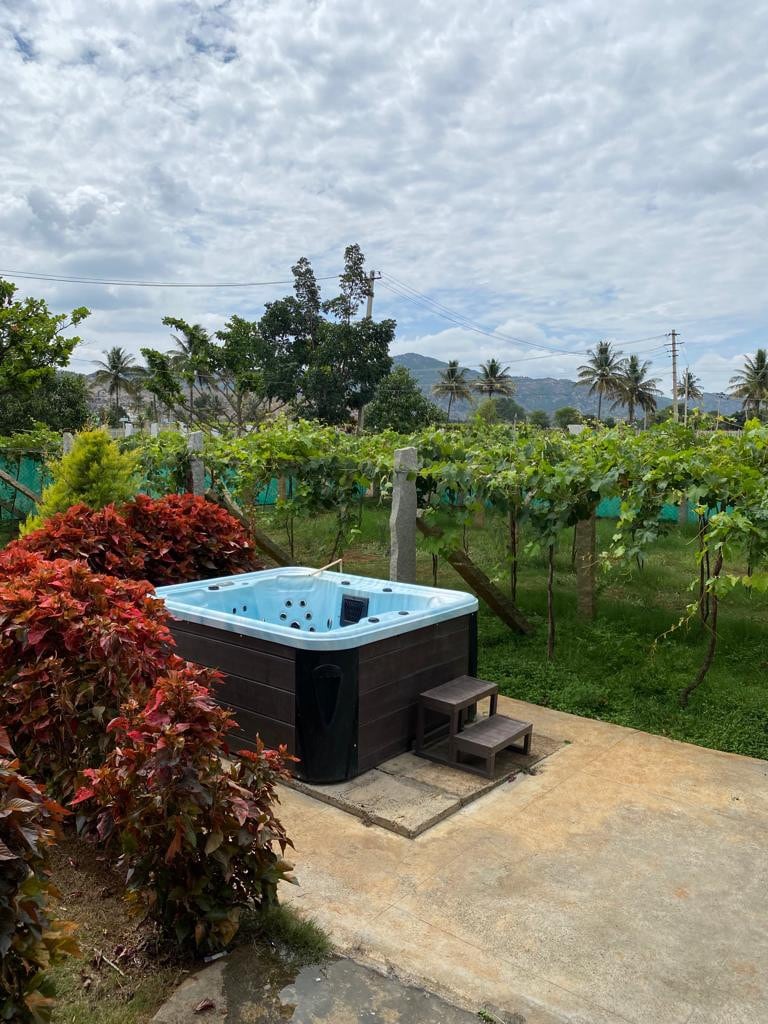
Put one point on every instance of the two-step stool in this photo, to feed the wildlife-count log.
(484, 739)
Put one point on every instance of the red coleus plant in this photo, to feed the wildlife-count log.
(166, 540)
(199, 837)
(188, 538)
(30, 940)
(74, 646)
(100, 537)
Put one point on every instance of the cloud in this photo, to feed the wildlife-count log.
(555, 172)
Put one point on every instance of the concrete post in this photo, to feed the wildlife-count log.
(682, 513)
(402, 521)
(196, 464)
(127, 429)
(154, 429)
(67, 442)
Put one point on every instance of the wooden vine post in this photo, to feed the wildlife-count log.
(585, 551)
(499, 603)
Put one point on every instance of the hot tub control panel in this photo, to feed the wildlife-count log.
(353, 609)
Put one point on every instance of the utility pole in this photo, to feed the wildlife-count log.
(373, 276)
(674, 336)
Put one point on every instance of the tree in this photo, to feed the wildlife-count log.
(509, 410)
(690, 385)
(32, 345)
(494, 379)
(401, 405)
(601, 372)
(750, 384)
(567, 414)
(118, 370)
(95, 473)
(539, 418)
(60, 402)
(634, 388)
(452, 384)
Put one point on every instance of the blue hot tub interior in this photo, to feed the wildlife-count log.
(306, 605)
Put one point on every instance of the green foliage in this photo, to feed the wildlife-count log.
(509, 410)
(95, 473)
(322, 366)
(539, 418)
(30, 940)
(567, 414)
(32, 343)
(197, 835)
(59, 401)
(401, 405)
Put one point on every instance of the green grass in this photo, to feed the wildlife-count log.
(616, 668)
(296, 939)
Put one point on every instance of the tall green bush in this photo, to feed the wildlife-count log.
(95, 473)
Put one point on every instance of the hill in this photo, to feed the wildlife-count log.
(547, 393)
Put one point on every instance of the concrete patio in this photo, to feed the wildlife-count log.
(626, 881)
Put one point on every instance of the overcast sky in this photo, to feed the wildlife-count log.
(555, 172)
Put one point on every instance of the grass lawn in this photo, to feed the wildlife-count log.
(91, 991)
(612, 668)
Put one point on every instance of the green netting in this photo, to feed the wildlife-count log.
(29, 469)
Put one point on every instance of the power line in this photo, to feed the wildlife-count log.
(119, 283)
(459, 320)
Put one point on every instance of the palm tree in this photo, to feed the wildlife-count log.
(117, 371)
(689, 387)
(601, 372)
(751, 383)
(494, 379)
(190, 359)
(634, 388)
(452, 384)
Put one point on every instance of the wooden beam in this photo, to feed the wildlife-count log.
(13, 482)
(496, 599)
(221, 496)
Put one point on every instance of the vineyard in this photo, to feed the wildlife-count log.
(653, 617)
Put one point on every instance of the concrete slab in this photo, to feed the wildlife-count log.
(410, 794)
(624, 881)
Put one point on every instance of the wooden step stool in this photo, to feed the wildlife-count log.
(484, 739)
(489, 736)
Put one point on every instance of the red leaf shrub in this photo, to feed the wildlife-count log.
(197, 836)
(100, 537)
(186, 537)
(30, 941)
(74, 646)
(164, 540)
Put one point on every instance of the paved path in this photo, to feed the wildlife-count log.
(626, 882)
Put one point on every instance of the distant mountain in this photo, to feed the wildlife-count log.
(547, 393)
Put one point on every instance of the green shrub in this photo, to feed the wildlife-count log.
(30, 941)
(95, 473)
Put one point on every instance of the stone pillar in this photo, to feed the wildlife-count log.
(67, 442)
(196, 464)
(402, 521)
(682, 513)
(154, 429)
(127, 429)
(586, 567)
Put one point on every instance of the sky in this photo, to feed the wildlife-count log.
(554, 173)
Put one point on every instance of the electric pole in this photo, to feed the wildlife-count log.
(674, 336)
(373, 276)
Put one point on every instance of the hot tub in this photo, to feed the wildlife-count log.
(328, 663)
